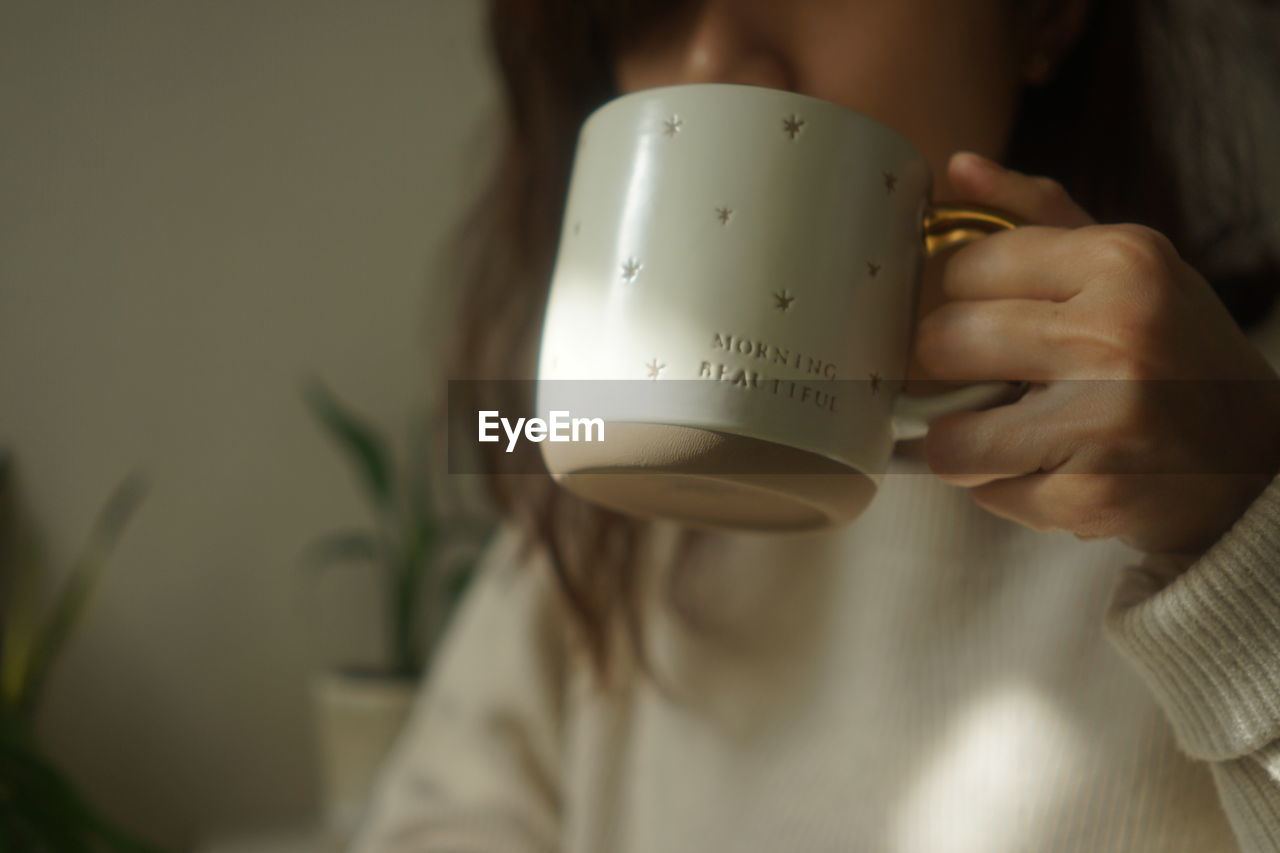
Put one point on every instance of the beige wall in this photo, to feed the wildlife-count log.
(200, 202)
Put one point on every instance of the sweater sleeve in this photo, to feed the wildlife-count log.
(476, 769)
(1207, 643)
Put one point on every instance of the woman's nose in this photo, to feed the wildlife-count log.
(729, 41)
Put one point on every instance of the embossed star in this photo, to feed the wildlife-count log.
(875, 382)
(723, 214)
(654, 368)
(791, 126)
(672, 125)
(873, 270)
(890, 181)
(631, 269)
(784, 300)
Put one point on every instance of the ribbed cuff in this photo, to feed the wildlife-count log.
(1249, 798)
(1208, 642)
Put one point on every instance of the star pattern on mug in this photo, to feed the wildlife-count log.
(783, 299)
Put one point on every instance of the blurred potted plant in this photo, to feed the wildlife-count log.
(40, 808)
(422, 546)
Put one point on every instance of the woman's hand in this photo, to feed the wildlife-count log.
(1150, 416)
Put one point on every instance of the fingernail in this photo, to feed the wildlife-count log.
(977, 161)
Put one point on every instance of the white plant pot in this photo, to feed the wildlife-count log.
(358, 716)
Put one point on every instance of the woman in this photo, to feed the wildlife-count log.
(1080, 652)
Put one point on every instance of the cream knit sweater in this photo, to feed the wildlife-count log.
(929, 679)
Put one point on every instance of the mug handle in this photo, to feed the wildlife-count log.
(947, 226)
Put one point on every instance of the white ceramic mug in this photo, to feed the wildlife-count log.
(737, 281)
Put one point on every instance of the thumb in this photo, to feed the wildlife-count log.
(1035, 200)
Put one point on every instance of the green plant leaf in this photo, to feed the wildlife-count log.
(419, 468)
(457, 582)
(21, 624)
(418, 525)
(353, 546)
(20, 579)
(457, 574)
(14, 579)
(413, 579)
(362, 442)
(41, 810)
(76, 591)
(422, 543)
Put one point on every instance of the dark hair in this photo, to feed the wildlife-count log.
(1143, 122)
